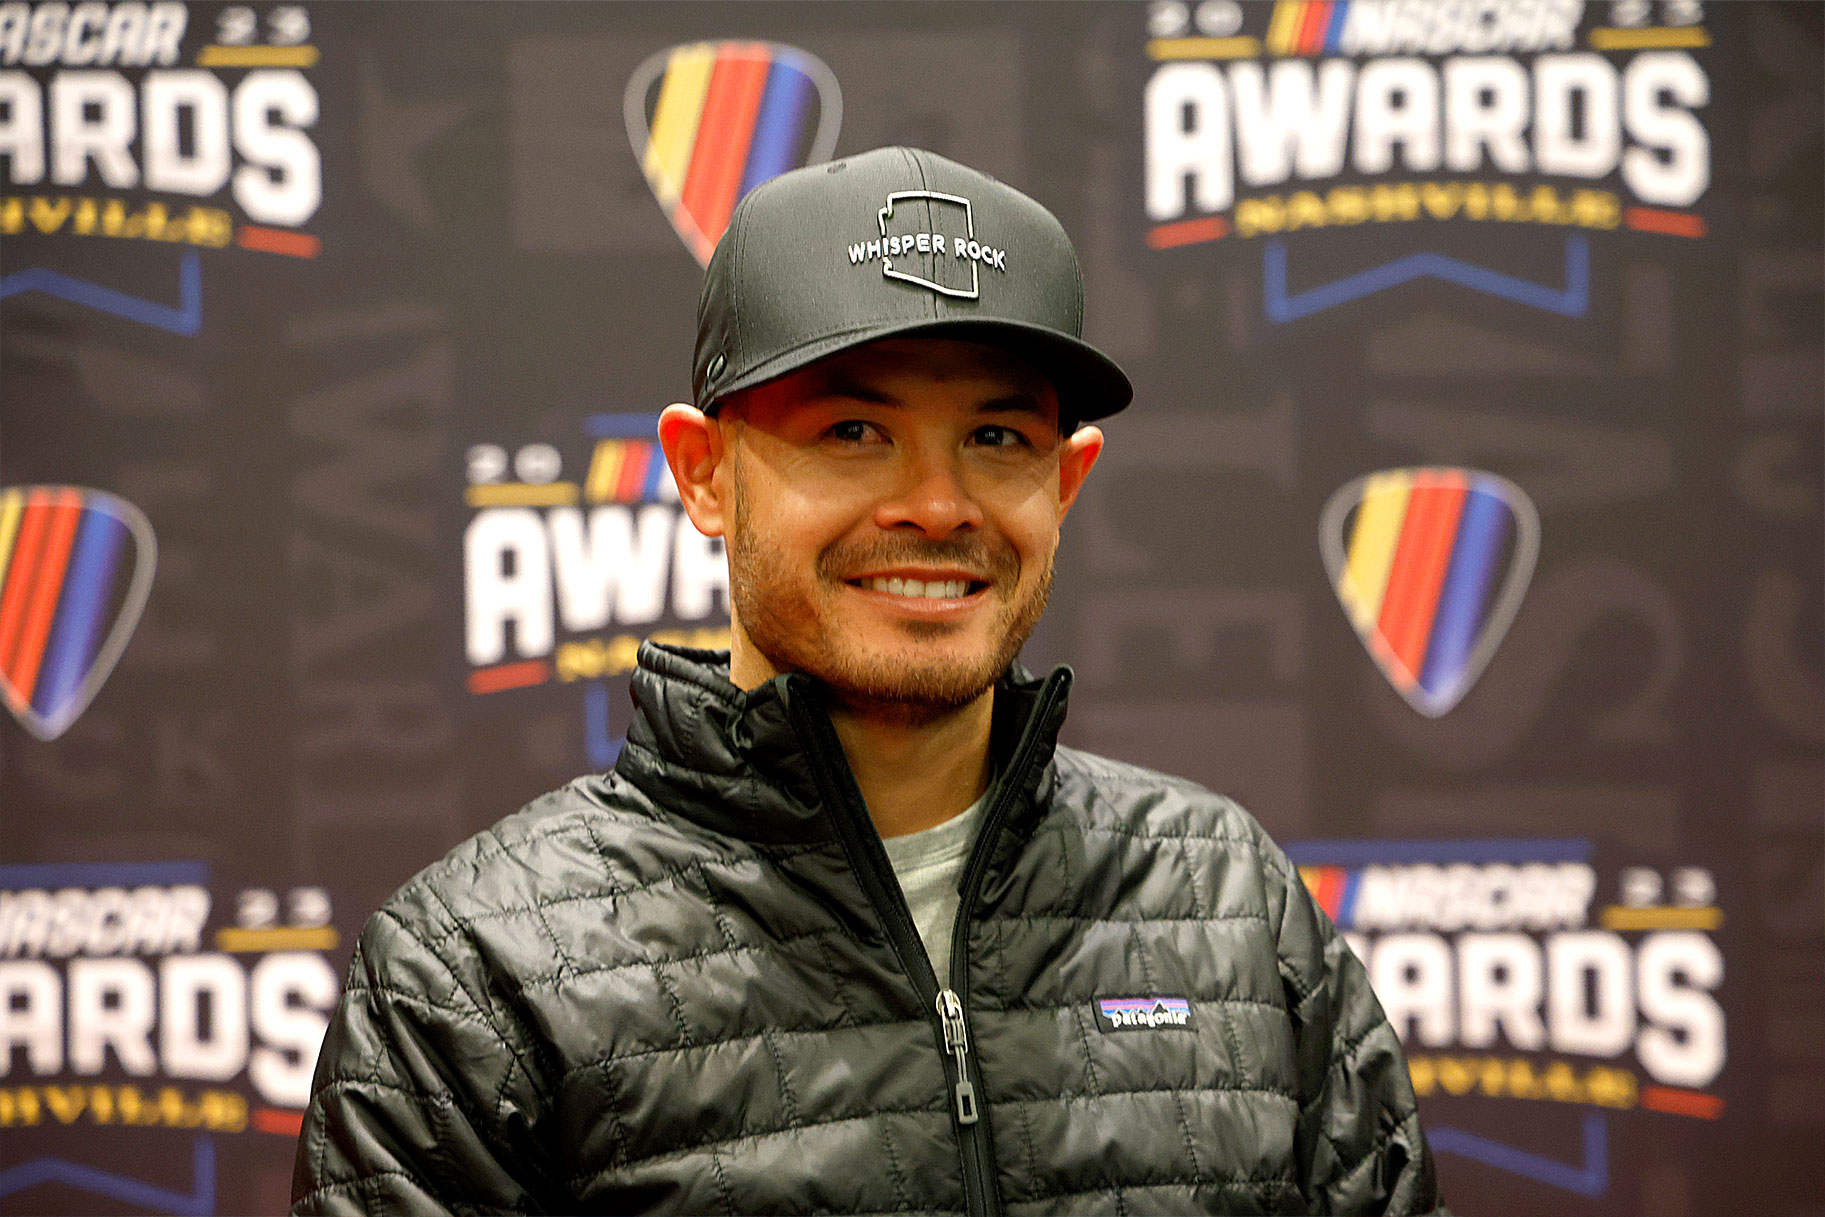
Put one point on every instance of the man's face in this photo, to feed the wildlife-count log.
(895, 513)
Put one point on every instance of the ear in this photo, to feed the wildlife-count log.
(694, 448)
(1076, 455)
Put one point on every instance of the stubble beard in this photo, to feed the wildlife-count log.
(908, 683)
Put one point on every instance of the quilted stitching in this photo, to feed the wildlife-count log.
(612, 989)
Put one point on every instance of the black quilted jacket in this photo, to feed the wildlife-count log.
(692, 985)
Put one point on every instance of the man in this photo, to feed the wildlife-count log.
(844, 930)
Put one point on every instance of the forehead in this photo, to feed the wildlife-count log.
(911, 372)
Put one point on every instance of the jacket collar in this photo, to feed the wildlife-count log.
(732, 761)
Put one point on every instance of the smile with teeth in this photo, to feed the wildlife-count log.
(936, 589)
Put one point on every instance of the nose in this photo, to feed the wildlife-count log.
(932, 497)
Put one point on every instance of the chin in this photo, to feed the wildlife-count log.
(908, 677)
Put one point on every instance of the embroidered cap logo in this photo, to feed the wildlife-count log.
(969, 229)
(916, 244)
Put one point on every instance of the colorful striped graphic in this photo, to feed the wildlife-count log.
(712, 120)
(628, 471)
(1306, 27)
(1334, 888)
(1430, 565)
(72, 561)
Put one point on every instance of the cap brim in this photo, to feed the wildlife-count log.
(1089, 384)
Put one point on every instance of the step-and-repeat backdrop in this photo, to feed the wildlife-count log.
(1467, 526)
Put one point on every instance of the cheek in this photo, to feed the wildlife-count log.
(1030, 523)
(800, 522)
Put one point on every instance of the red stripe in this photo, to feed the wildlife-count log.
(1186, 232)
(282, 1123)
(1311, 30)
(633, 472)
(1682, 1102)
(278, 241)
(724, 132)
(1420, 558)
(22, 572)
(1330, 888)
(509, 676)
(1670, 223)
(60, 534)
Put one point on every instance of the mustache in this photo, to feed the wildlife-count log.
(846, 559)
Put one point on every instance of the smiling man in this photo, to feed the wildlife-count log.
(845, 930)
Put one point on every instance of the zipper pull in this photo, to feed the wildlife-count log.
(957, 1044)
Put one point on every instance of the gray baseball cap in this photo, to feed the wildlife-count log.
(897, 242)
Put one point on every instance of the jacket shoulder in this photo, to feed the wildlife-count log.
(595, 835)
(1119, 796)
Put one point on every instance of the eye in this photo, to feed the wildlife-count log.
(996, 436)
(854, 431)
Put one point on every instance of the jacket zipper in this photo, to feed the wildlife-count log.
(868, 860)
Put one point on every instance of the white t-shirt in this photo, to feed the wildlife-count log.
(929, 864)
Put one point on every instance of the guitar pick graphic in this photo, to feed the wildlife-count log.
(75, 570)
(710, 121)
(1431, 565)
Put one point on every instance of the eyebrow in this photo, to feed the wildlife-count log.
(855, 390)
(1018, 402)
(1014, 403)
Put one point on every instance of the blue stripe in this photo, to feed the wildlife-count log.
(1346, 907)
(656, 471)
(1590, 1179)
(621, 426)
(1334, 36)
(1282, 305)
(185, 319)
(20, 875)
(601, 747)
(1395, 853)
(200, 1200)
(82, 610)
(1481, 533)
(775, 147)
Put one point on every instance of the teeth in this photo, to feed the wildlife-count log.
(954, 589)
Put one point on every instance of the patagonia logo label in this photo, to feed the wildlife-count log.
(1142, 1013)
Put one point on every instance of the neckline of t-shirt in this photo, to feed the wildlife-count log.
(944, 842)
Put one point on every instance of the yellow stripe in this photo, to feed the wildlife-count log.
(604, 470)
(1617, 917)
(1639, 40)
(668, 148)
(1284, 26)
(257, 57)
(11, 504)
(518, 494)
(1203, 48)
(322, 938)
(1372, 542)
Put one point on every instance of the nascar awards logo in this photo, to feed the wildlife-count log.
(76, 567)
(137, 995)
(1524, 970)
(140, 121)
(564, 577)
(1430, 565)
(1301, 116)
(712, 120)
